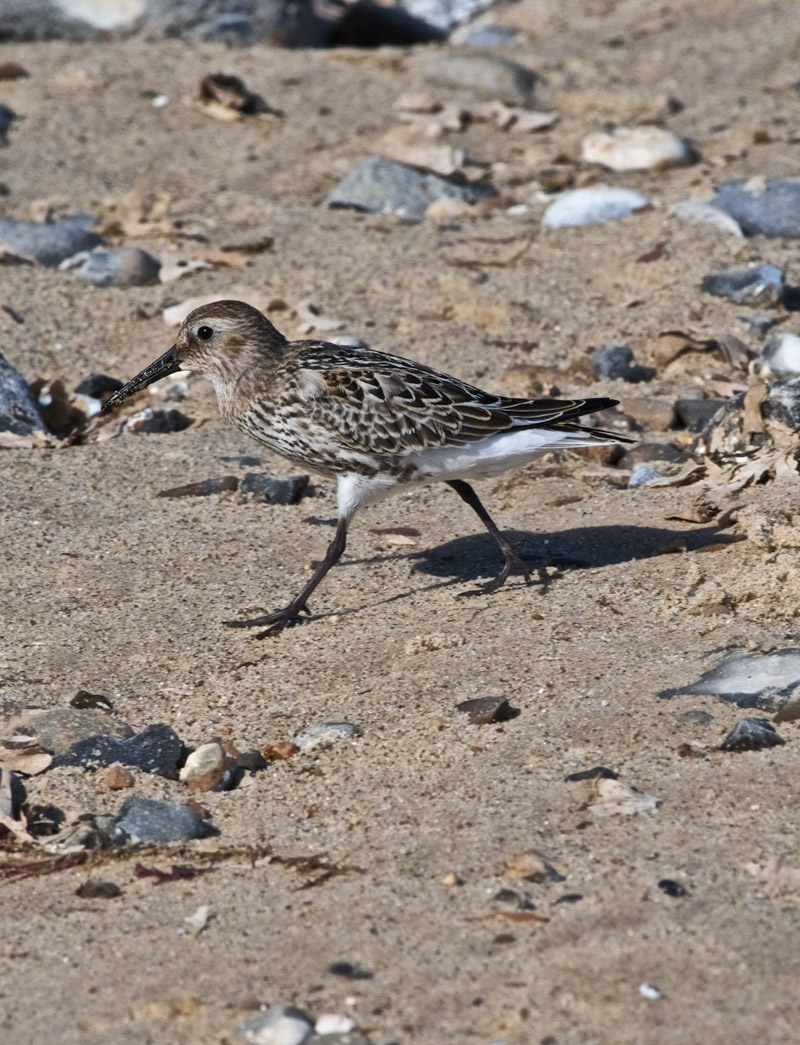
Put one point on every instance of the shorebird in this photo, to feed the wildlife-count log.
(374, 422)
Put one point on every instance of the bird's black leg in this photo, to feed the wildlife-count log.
(510, 558)
(290, 615)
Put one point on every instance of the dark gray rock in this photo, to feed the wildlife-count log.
(771, 207)
(97, 385)
(156, 749)
(483, 75)
(7, 117)
(46, 243)
(58, 730)
(695, 414)
(483, 711)
(615, 363)
(381, 186)
(752, 734)
(762, 285)
(257, 486)
(121, 267)
(19, 411)
(368, 24)
(146, 820)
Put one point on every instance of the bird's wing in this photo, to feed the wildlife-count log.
(389, 405)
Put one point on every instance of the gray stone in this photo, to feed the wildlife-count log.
(615, 363)
(47, 243)
(747, 286)
(758, 322)
(145, 820)
(19, 411)
(752, 734)
(594, 205)
(484, 75)
(381, 186)
(643, 475)
(156, 749)
(770, 206)
(258, 486)
(326, 734)
(237, 23)
(491, 36)
(750, 680)
(695, 717)
(58, 730)
(7, 117)
(122, 267)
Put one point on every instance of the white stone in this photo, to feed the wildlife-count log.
(781, 355)
(282, 1026)
(636, 149)
(592, 206)
(103, 14)
(334, 1023)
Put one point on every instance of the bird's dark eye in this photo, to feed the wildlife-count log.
(205, 333)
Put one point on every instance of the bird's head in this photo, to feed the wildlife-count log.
(223, 341)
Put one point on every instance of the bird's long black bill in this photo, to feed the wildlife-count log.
(164, 365)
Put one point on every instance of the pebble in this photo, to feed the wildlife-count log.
(672, 888)
(643, 475)
(483, 711)
(94, 701)
(48, 244)
(350, 971)
(780, 356)
(59, 729)
(157, 420)
(19, 411)
(646, 147)
(656, 415)
(206, 768)
(615, 363)
(98, 386)
(156, 749)
(750, 680)
(752, 734)
(91, 889)
(484, 75)
(285, 1025)
(334, 1023)
(769, 206)
(266, 489)
(204, 488)
(118, 777)
(381, 186)
(120, 267)
(7, 117)
(704, 213)
(650, 991)
(145, 820)
(592, 206)
(326, 734)
(532, 867)
(753, 286)
(695, 717)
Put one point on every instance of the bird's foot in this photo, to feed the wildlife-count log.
(512, 562)
(275, 622)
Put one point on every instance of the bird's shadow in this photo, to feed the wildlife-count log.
(476, 557)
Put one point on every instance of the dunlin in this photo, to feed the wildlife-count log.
(374, 422)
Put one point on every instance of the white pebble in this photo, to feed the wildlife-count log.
(649, 990)
(334, 1023)
(636, 149)
(780, 356)
(283, 1026)
(707, 214)
(592, 206)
